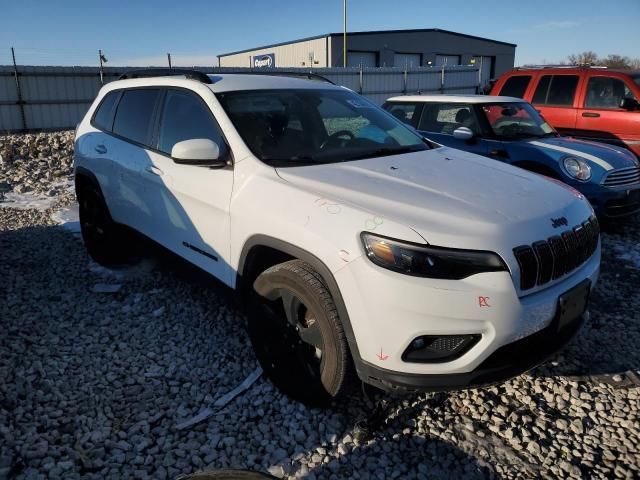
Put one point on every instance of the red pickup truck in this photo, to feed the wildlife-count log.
(592, 103)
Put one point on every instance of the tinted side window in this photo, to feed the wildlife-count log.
(515, 86)
(540, 96)
(134, 114)
(446, 117)
(556, 90)
(606, 92)
(404, 112)
(186, 117)
(103, 118)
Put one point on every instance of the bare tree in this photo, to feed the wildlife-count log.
(583, 58)
(616, 61)
(611, 61)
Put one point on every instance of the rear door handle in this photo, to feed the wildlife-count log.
(154, 170)
(590, 115)
(101, 149)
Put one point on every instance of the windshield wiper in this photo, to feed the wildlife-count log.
(292, 161)
(383, 152)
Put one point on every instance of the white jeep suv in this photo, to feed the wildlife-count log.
(360, 245)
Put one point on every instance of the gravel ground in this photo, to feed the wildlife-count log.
(93, 384)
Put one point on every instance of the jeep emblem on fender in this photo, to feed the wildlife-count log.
(558, 222)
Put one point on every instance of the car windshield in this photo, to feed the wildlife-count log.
(636, 78)
(511, 120)
(306, 127)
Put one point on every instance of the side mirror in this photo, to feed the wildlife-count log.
(629, 103)
(463, 133)
(197, 151)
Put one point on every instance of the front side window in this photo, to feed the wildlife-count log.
(103, 118)
(515, 86)
(447, 117)
(606, 92)
(405, 112)
(186, 117)
(515, 121)
(557, 90)
(134, 115)
(298, 127)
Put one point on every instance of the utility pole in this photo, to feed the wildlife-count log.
(344, 34)
(102, 59)
(20, 102)
(169, 58)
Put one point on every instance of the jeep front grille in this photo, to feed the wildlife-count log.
(550, 259)
(622, 177)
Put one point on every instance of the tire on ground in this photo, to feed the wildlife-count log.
(291, 364)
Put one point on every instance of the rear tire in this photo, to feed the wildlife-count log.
(106, 241)
(297, 335)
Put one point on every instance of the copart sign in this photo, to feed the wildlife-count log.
(265, 60)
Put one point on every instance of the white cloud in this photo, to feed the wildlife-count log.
(161, 61)
(557, 25)
(547, 26)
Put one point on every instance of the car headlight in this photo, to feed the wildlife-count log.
(428, 261)
(577, 168)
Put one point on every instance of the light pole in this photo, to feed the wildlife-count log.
(344, 34)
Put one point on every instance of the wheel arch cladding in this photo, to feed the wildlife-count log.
(285, 251)
(85, 177)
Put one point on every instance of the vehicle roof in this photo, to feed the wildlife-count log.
(227, 82)
(571, 69)
(454, 98)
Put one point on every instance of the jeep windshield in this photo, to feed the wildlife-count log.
(515, 121)
(307, 127)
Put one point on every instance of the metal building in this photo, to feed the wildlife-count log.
(385, 48)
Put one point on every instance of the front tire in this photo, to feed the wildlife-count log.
(297, 334)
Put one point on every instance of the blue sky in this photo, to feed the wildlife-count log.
(135, 32)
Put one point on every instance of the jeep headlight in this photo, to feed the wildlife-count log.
(577, 168)
(427, 261)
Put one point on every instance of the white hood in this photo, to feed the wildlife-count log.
(450, 197)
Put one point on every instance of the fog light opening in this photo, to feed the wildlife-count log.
(439, 348)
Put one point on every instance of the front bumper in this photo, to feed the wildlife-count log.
(505, 363)
(388, 310)
(615, 203)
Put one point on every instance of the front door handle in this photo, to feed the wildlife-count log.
(101, 149)
(154, 170)
(590, 115)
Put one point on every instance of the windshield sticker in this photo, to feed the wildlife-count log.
(546, 128)
(358, 104)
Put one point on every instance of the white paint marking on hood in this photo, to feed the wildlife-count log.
(576, 153)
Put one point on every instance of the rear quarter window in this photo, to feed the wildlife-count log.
(134, 115)
(515, 86)
(103, 118)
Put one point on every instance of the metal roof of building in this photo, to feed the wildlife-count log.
(369, 32)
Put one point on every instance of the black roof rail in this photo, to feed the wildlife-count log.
(166, 72)
(279, 73)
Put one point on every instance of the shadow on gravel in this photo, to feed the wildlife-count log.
(88, 382)
(606, 346)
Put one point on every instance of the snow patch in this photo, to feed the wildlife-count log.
(68, 218)
(27, 201)
(627, 251)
